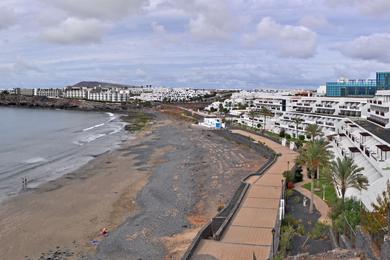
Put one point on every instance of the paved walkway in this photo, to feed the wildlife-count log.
(249, 232)
(320, 205)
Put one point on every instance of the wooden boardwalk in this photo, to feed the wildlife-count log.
(249, 232)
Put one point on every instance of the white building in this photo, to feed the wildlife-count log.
(215, 123)
(49, 92)
(356, 127)
(378, 111)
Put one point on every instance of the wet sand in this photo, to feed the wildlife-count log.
(153, 195)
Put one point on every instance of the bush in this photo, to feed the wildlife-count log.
(282, 133)
(352, 212)
(298, 177)
(293, 176)
(302, 137)
(286, 236)
(287, 136)
(289, 176)
(319, 231)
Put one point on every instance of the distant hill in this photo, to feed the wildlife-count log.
(102, 84)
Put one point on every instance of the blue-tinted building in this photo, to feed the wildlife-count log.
(383, 80)
(358, 88)
(351, 88)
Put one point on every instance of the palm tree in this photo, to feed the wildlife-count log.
(314, 155)
(297, 121)
(265, 112)
(347, 174)
(313, 130)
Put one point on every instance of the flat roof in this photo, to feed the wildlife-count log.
(374, 129)
(354, 149)
(383, 147)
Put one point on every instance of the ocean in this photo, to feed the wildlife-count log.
(43, 145)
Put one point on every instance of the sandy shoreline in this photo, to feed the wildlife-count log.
(171, 178)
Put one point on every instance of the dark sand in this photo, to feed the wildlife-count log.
(153, 195)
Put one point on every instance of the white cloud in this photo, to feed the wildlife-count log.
(372, 47)
(99, 9)
(368, 7)
(140, 73)
(22, 65)
(288, 40)
(209, 20)
(158, 28)
(314, 22)
(76, 31)
(8, 17)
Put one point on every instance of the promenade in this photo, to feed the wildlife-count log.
(249, 232)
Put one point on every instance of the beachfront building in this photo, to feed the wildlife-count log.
(108, 95)
(213, 123)
(76, 92)
(173, 94)
(24, 91)
(357, 127)
(49, 92)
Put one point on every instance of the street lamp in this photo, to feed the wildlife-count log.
(273, 242)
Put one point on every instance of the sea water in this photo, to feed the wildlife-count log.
(42, 145)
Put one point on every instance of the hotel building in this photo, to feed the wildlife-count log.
(355, 127)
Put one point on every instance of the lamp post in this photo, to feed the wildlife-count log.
(288, 165)
(273, 242)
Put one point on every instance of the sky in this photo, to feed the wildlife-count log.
(192, 43)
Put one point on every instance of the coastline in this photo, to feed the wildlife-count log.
(170, 178)
(91, 198)
(81, 137)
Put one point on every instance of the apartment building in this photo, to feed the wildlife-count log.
(76, 92)
(49, 92)
(379, 107)
(356, 127)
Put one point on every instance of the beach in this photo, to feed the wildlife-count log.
(153, 195)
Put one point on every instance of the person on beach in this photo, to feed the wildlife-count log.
(104, 232)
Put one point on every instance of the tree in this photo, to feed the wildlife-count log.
(346, 174)
(265, 112)
(297, 121)
(220, 107)
(313, 130)
(314, 155)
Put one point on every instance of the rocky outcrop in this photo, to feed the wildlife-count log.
(62, 103)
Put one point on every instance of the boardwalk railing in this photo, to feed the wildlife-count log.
(216, 226)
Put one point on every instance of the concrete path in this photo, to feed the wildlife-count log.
(249, 232)
(319, 204)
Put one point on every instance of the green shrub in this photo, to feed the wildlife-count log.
(302, 137)
(319, 231)
(289, 175)
(286, 236)
(298, 177)
(282, 133)
(287, 136)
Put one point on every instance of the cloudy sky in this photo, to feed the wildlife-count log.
(192, 43)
